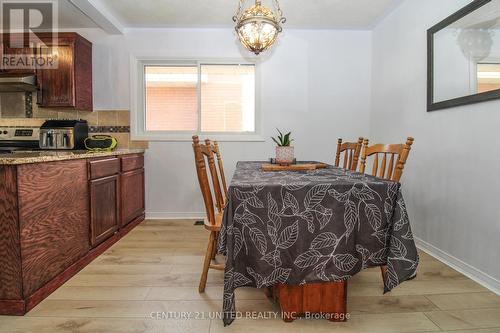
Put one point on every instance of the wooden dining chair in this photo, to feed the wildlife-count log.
(351, 152)
(398, 156)
(204, 155)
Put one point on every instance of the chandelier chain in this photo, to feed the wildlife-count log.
(240, 11)
(281, 19)
(241, 4)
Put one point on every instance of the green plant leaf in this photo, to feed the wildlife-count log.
(280, 137)
(286, 139)
(282, 140)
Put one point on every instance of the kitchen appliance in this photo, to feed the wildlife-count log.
(13, 82)
(63, 134)
(18, 139)
(100, 142)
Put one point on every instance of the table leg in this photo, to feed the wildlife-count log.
(316, 300)
(290, 299)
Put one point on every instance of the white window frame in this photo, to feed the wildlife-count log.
(473, 70)
(138, 109)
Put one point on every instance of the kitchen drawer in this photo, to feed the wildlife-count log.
(105, 167)
(132, 162)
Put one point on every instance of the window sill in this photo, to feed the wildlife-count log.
(203, 136)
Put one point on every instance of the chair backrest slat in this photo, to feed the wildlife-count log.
(391, 166)
(395, 170)
(351, 151)
(221, 168)
(375, 165)
(382, 167)
(214, 175)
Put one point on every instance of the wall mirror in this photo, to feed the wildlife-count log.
(463, 57)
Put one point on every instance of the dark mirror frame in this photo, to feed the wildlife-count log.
(470, 99)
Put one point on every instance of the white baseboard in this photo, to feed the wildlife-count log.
(471, 272)
(174, 215)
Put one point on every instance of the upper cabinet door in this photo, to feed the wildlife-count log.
(56, 86)
(70, 84)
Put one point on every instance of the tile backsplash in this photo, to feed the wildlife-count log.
(111, 122)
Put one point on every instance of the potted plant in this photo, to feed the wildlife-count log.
(284, 150)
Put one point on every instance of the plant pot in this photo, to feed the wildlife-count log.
(284, 155)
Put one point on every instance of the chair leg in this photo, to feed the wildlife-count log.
(206, 263)
(383, 270)
(268, 291)
(214, 250)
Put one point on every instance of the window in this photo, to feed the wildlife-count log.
(488, 77)
(227, 98)
(175, 100)
(171, 98)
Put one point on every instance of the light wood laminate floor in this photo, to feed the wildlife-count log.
(156, 268)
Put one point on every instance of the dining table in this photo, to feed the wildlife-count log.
(300, 227)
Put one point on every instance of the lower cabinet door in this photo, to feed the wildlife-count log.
(104, 208)
(132, 195)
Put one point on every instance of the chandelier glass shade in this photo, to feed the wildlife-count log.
(476, 43)
(258, 26)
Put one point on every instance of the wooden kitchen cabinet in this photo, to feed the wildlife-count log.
(70, 85)
(16, 52)
(117, 194)
(8, 51)
(56, 217)
(132, 187)
(53, 219)
(105, 208)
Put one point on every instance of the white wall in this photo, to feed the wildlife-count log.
(315, 83)
(451, 185)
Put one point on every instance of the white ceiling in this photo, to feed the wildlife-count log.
(486, 17)
(307, 14)
(71, 17)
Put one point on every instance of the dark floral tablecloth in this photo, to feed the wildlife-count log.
(322, 225)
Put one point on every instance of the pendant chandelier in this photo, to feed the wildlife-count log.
(258, 26)
(476, 43)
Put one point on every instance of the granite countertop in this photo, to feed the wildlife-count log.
(59, 155)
